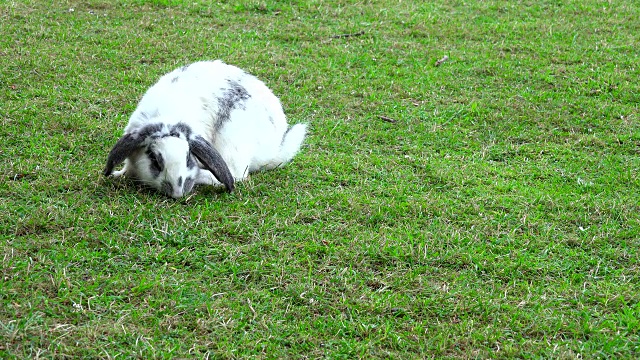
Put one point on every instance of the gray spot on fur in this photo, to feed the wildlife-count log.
(148, 116)
(188, 185)
(180, 129)
(190, 162)
(149, 130)
(175, 79)
(205, 104)
(285, 135)
(234, 97)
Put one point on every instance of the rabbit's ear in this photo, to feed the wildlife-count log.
(212, 160)
(121, 150)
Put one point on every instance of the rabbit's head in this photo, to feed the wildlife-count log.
(164, 158)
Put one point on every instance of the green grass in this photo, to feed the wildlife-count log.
(497, 217)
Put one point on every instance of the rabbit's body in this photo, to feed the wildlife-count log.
(231, 110)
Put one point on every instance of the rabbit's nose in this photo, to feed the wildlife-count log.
(177, 193)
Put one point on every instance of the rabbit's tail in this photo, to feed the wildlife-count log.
(289, 147)
(291, 142)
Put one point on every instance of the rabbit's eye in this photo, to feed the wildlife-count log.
(156, 161)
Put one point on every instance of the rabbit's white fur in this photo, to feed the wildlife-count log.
(232, 110)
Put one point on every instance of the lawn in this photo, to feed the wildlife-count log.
(482, 206)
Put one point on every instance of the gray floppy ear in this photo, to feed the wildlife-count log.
(121, 150)
(212, 160)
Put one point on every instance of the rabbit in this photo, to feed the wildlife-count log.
(204, 123)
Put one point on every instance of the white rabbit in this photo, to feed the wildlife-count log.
(205, 123)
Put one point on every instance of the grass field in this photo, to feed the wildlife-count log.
(487, 207)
